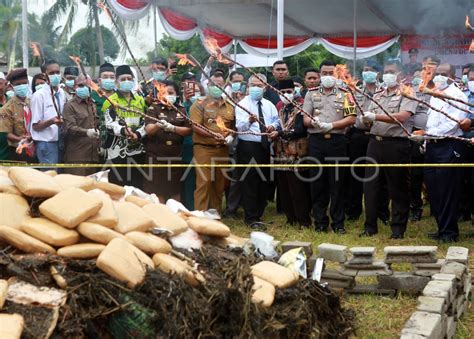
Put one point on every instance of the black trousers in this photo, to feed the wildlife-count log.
(253, 180)
(358, 144)
(416, 177)
(444, 184)
(130, 176)
(466, 203)
(234, 193)
(387, 151)
(294, 196)
(327, 184)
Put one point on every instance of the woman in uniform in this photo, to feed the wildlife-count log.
(164, 145)
(290, 147)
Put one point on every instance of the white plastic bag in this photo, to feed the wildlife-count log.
(263, 243)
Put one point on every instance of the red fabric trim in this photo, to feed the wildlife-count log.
(264, 43)
(222, 39)
(178, 21)
(361, 42)
(133, 4)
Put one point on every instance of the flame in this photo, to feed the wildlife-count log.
(407, 90)
(103, 7)
(76, 60)
(161, 92)
(418, 132)
(36, 49)
(184, 60)
(221, 124)
(427, 74)
(468, 24)
(213, 47)
(342, 73)
(471, 48)
(93, 86)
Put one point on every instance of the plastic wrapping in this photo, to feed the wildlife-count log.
(295, 260)
(263, 243)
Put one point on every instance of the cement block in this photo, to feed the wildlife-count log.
(440, 289)
(411, 336)
(450, 328)
(362, 251)
(410, 254)
(454, 268)
(458, 254)
(311, 262)
(467, 285)
(289, 245)
(425, 324)
(372, 289)
(376, 265)
(444, 277)
(332, 252)
(332, 283)
(403, 281)
(431, 304)
(362, 260)
(461, 306)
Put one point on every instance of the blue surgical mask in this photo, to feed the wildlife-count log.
(107, 84)
(10, 94)
(256, 93)
(69, 83)
(369, 77)
(159, 75)
(297, 92)
(196, 97)
(83, 92)
(236, 86)
(390, 80)
(215, 92)
(126, 86)
(21, 90)
(38, 87)
(441, 81)
(464, 79)
(416, 81)
(55, 79)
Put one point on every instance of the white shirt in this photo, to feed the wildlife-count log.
(437, 123)
(42, 109)
(270, 117)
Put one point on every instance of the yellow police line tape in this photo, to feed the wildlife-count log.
(108, 165)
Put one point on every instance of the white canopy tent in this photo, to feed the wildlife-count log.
(349, 28)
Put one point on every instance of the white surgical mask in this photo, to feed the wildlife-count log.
(441, 81)
(390, 80)
(287, 98)
(328, 81)
(171, 99)
(470, 85)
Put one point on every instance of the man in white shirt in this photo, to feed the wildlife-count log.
(254, 149)
(444, 183)
(46, 107)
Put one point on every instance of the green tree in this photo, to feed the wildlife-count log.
(10, 17)
(83, 44)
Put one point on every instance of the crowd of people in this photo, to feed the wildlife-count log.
(289, 122)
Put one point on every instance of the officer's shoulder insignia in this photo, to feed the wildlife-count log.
(314, 89)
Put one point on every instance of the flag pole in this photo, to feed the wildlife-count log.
(24, 17)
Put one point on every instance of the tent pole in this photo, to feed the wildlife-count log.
(355, 39)
(155, 27)
(235, 53)
(24, 18)
(280, 28)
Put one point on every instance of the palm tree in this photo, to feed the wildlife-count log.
(70, 7)
(10, 17)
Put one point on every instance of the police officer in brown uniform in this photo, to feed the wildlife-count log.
(332, 112)
(15, 118)
(359, 136)
(82, 135)
(388, 145)
(210, 182)
(164, 145)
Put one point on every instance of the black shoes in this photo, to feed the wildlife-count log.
(447, 239)
(416, 215)
(367, 234)
(396, 236)
(320, 229)
(434, 236)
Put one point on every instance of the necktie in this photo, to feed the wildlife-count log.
(264, 139)
(56, 95)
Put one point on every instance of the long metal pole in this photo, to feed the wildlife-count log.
(280, 28)
(355, 40)
(24, 17)
(155, 27)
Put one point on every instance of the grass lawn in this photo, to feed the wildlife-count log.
(377, 317)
